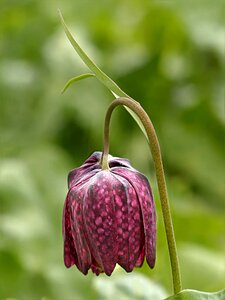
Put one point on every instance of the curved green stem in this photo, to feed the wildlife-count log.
(156, 155)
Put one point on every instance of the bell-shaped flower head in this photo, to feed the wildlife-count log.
(109, 217)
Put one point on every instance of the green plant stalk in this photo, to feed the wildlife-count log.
(156, 155)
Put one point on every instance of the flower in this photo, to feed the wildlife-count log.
(108, 217)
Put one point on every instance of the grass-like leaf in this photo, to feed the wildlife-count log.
(100, 75)
(107, 81)
(75, 79)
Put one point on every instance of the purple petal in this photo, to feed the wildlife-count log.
(143, 191)
(129, 224)
(93, 162)
(149, 218)
(100, 224)
(70, 255)
(122, 223)
(141, 258)
(79, 235)
(85, 178)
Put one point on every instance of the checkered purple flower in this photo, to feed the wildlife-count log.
(109, 217)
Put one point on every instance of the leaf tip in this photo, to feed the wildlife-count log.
(75, 79)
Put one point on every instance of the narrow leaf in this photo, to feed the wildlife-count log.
(100, 75)
(75, 79)
(197, 295)
(108, 82)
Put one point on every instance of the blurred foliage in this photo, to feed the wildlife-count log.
(166, 54)
(134, 287)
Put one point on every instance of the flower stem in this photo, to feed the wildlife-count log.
(156, 155)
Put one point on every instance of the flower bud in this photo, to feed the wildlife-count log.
(109, 217)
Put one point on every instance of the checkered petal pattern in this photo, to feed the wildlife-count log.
(108, 218)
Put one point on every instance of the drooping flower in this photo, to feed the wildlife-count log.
(109, 217)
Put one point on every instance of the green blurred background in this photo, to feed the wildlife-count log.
(166, 54)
